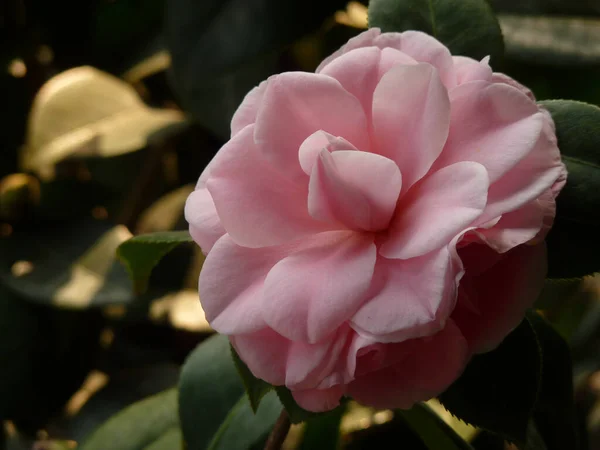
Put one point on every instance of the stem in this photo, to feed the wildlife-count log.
(279, 432)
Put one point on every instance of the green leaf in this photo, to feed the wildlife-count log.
(171, 440)
(141, 253)
(71, 265)
(574, 242)
(554, 412)
(218, 55)
(208, 388)
(323, 431)
(498, 389)
(466, 27)
(242, 428)
(432, 430)
(296, 413)
(138, 425)
(551, 40)
(255, 387)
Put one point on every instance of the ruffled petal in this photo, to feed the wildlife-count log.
(294, 106)
(412, 298)
(205, 224)
(319, 400)
(436, 210)
(246, 113)
(434, 364)
(257, 204)
(319, 140)
(469, 69)
(356, 189)
(411, 116)
(313, 291)
(490, 305)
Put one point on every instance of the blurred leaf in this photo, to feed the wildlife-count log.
(433, 431)
(166, 212)
(554, 412)
(466, 27)
(590, 7)
(573, 242)
(556, 291)
(84, 112)
(498, 389)
(243, 428)
(296, 413)
(552, 40)
(209, 387)
(381, 436)
(218, 55)
(256, 388)
(171, 440)
(18, 193)
(323, 432)
(141, 253)
(138, 425)
(71, 265)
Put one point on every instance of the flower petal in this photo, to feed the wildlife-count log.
(434, 365)
(353, 188)
(411, 115)
(412, 298)
(294, 106)
(313, 291)
(319, 400)
(469, 69)
(493, 124)
(205, 224)
(257, 204)
(498, 77)
(319, 140)
(246, 113)
(436, 210)
(499, 297)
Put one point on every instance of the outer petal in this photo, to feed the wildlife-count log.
(364, 39)
(502, 78)
(498, 298)
(231, 285)
(411, 115)
(205, 224)
(319, 400)
(436, 210)
(319, 140)
(413, 298)
(469, 69)
(246, 113)
(257, 204)
(356, 189)
(423, 374)
(492, 124)
(294, 106)
(312, 292)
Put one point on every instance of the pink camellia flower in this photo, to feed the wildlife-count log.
(373, 225)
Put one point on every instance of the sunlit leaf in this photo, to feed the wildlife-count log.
(554, 7)
(466, 27)
(141, 253)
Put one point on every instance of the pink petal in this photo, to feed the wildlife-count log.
(205, 224)
(436, 210)
(353, 188)
(492, 124)
(364, 39)
(231, 285)
(246, 113)
(435, 364)
(312, 292)
(539, 171)
(257, 204)
(319, 140)
(469, 69)
(319, 400)
(411, 115)
(501, 295)
(412, 298)
(294, 106)
(502, 78)
(360, 70)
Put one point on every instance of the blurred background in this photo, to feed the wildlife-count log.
(110, 110)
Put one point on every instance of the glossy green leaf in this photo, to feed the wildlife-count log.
(466, 27)
(554, 412)
(256, 388)
(323, 431)
(432, 430)
(574, 242)
(498, 390)
(208, 388)
(138, 425)
(141, 253)
(171, 440)
(296, 413)
(243, 428)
